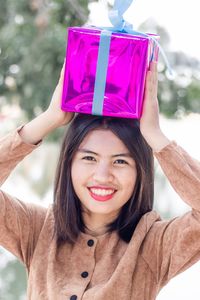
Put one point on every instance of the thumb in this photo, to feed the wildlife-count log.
(62, 74)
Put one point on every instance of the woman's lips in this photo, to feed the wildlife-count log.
(101, 194)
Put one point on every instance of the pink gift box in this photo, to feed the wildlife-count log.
(128, 61)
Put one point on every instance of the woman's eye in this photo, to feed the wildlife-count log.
(121, 161)
(90, 158)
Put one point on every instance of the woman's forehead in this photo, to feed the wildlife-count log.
(103, 140)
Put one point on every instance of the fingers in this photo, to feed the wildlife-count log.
(152, 74)
(62, 73)
(151, 84)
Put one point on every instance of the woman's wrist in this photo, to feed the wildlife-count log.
(157, 140)
(34, 131)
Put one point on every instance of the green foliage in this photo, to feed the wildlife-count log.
(33, 42)
(176, 101)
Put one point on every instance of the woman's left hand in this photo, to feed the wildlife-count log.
(149, 122)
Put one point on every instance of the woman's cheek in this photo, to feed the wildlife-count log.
(81, 170)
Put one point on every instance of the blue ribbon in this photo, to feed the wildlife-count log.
(116, 14)
(119, 25)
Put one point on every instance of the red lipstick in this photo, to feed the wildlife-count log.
(101, 198)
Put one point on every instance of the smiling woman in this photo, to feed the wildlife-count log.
(104, 176)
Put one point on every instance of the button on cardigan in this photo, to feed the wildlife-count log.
(103, 267)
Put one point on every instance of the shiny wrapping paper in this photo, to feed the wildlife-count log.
(128, 61)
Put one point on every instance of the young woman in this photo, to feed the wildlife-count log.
(100, 239)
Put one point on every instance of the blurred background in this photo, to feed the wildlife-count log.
(32, 49)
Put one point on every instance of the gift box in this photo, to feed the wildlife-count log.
(108, 81)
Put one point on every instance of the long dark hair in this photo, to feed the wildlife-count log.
(67, 207)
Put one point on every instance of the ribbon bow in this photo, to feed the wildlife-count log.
(116, 15)
(119, 25)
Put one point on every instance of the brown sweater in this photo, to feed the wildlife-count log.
(103, 268)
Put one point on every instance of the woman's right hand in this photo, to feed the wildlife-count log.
(54, 109)
(49, 120)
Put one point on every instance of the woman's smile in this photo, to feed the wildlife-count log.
(101, 194)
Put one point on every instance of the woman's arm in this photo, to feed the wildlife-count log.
(180, 168)
(21, 223)
(174, 245)
(182, 171)
(16, 145)
(149, 122)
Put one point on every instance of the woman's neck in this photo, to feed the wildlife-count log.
(96, 224)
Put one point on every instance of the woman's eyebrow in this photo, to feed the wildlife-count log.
(94, 153)
(87, 151)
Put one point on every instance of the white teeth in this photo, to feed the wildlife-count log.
(102, 192)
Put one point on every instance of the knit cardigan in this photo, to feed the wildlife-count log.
(103, 267)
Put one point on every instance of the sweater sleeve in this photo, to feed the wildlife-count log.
(182, 171)
(173, 246)
(20, 223)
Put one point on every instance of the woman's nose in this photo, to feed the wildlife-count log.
(103, 173)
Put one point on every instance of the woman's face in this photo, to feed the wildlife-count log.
(103, 173)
